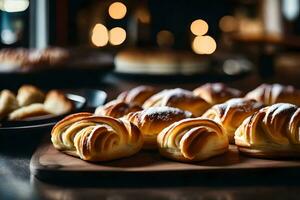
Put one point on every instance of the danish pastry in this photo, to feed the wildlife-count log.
(232, 113)
(275, 93)
(96, 138)
(8, 103)
(152, 121)
(28, 94)
(178, 98)
(32, 110)
(117, 109)
(271, 132)
(137, 95)
(194, 139)
(57, 103)
(216, 93)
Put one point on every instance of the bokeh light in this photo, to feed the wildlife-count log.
(117, 36)
(14, 5)
(99, 35)
(199, 27)
(117, 10)
(165, 38)
(143, 15)
(228, 24)
(204, 45)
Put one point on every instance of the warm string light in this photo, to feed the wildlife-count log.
(202, 44)
(117, 36)
(99, 35)
(117, 10)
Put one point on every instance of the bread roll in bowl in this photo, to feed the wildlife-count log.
(152, 121)
(272, 132)
(192, 140)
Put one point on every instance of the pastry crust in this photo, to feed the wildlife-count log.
(29, 94)
(216, 93)
(270, 94)
(192, 140)
(272, 132)
(178, 98)
(96, 138)
(153, 120)
(232, 113)
(57, 103)
(32, 110)
(8, 103)
(137, 95)
(117, 109)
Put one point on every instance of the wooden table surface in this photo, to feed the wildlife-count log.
(17, 183)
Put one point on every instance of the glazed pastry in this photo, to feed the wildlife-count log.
(153, 120)
(95, 138)
(232, 113)
(216, 93)
(57, 103)
(8, 103)
(191, 140)
(271, 132)
(28, 94)
(275, 93)
(33, 110)
(137, 95)
(178, 98)
(117, 109)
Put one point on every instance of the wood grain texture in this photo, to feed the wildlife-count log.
(48, 163)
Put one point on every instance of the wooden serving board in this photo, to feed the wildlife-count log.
(49, 164)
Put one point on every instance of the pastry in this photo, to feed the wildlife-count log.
(8, 103)
(137, 95)
(232, 113)
(178, 98)
(57, 103)
(191, 140)
(152, 121)
(32, 110)
(215, 93)
(275, 93)
(117, 109)
(96, 138)
(271, 132)
(28, 94)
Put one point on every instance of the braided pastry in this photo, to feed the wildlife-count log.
(178, 98)
(216, 93)
(273, 131)
(95, 138)
(137, 95)
(117, 109)
(232, 113)
(194, 139)
(275, 93)
(152, 121)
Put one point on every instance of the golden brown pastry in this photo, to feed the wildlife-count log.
(194, 139)
(28, 94)
(8, 103)
(271, 132)
(215, 93)
(137, 95)
(232, 113)
(275, 93)
(178, 98)
(152, 121)
(57, 103)
(117, 109)
(95, 138)
(25, 112)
